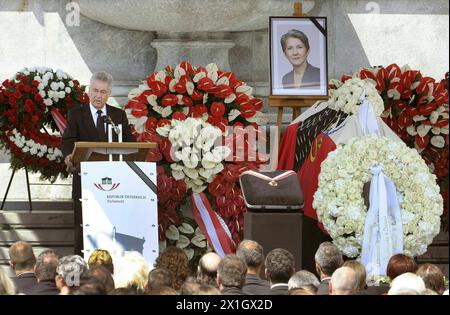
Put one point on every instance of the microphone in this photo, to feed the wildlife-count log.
(107, 119)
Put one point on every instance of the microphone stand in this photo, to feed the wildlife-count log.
(117, 129)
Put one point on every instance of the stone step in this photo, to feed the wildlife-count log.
(38, 237)
(47, 205)
(40, 219)
(63, 251)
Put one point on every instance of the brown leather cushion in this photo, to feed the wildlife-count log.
(259, 194)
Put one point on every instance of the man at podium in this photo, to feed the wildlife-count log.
(88, 123)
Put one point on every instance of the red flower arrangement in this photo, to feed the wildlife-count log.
(34, 105)
(219, 99)
(417, 110)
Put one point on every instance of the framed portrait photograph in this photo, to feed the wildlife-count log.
(298, 56)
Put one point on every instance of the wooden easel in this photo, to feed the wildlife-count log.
(292, 101)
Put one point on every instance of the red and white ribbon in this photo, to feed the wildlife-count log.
(212, 225)
(267, 178)
(59, 119)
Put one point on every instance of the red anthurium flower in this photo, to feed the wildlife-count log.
(241, 98)
(222, 123)
(364, 74)
(180, 87)
(257, 103)
(158, 88)
(394, 71)
(247, 110)
(151, 78)
(404, 120)
(187, 101)
(169, 100)
(223, 91)
(166, 147)
(163, 122)
(217, 109)
(422, 142)
(187, 67)
(200, 109)
(151, 123)
(426, 109)
(197, 95)
(179, 116)
(205, 84)
(139, 110)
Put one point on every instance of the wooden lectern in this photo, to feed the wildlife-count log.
(100, 151)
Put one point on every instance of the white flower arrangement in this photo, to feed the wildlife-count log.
(52, 84)
(340, 205)
(197, 160)
(347, 97)
(187, 239)
(34, 148)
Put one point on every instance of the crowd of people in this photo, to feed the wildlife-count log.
(247, 272)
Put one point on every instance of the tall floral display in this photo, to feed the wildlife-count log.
(416, 109)
(188, 112)
(34, 105)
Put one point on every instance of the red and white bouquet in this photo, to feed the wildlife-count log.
(201, 118)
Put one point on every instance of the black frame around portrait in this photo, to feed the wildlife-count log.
(323, 55)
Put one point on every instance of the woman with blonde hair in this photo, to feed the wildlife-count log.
(132, 272)
(6, 285)
(103, 258)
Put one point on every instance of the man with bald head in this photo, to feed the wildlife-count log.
(344, 281)
(253, 255)
(207, 269)
(22, 261)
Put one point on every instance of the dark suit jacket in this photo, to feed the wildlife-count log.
(232, 291)
(24, 282)
(280, 289)
(311, 78)
(81, 127)
(254, 285)
(46, 287)
(323, 287)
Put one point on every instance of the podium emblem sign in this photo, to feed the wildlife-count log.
(119, 204)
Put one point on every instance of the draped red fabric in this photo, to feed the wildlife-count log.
(309, 172)
(286, 153)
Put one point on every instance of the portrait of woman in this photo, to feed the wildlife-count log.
(298, 56)
(295, 46)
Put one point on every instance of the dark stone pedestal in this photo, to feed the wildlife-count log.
(291, 231)
(276, 230)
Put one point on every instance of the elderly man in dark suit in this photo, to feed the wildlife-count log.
(22, 261)
(88, 123)
(328, 258)
(253, 255)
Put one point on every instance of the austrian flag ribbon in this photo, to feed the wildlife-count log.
(59, 119)
(212, 226)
